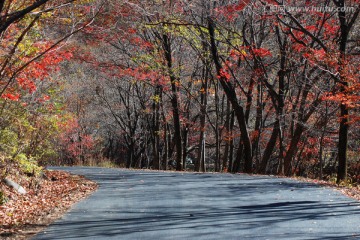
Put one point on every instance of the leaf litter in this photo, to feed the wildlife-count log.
(47, 199)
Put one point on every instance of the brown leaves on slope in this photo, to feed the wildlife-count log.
(23, 215)
(350, 190)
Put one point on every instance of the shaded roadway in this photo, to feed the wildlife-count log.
(133, 205)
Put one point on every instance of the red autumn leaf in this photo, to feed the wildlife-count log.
(10, 96)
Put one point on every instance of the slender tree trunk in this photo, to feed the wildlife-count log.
(165, 158)
(156, 129)
(217, 130)
(174, 102)
(321, 142)
(344, 112)
(293, 148)
(185, 143)
(342, 146)
(229, 90)
(269, 148)
(249, 94)
(231, 143)
(199, 164)
(237, 163)
(281, 99)
(258, 122)
(130, 156)
(227, 140)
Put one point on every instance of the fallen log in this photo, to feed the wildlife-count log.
(14, 185)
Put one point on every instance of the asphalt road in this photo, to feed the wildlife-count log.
(134, 205)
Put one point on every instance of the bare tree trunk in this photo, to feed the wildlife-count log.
(293, 148)
(156, 129)
(237, 162)
(229, 90)
(200, 161)
(345, 27)
(321, 142)
(174, 102)
(281, 97)
(258, 125)
(185, 143)
(342, 146)
(269, 148)
(227, 140)
(166, 145)
(217, 130)
(231, 143)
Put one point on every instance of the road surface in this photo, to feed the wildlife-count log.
(132, 205)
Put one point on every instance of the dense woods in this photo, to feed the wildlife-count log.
(263, 86)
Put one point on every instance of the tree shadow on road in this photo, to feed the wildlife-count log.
(163, 206)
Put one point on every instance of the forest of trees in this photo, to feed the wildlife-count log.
(262, 86)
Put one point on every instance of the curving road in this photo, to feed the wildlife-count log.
(132, 205)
